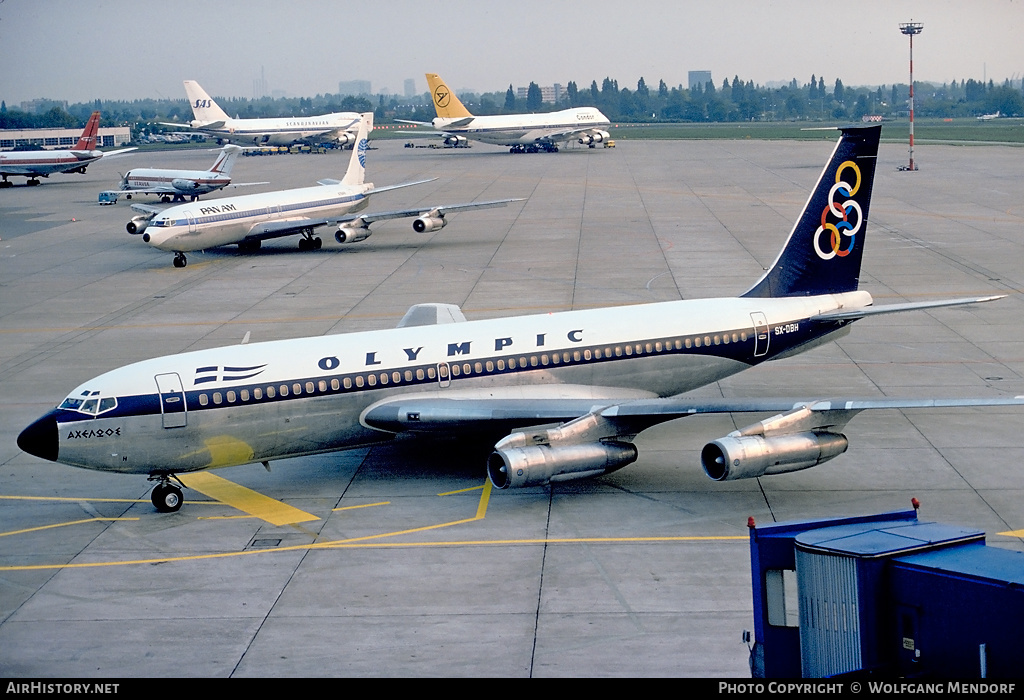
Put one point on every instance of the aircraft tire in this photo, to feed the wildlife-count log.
(180, 260)
(167, 498)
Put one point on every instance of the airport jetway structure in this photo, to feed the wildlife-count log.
(883, 595)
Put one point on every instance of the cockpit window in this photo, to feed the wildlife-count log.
(90, 406)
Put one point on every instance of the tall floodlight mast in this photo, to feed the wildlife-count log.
(910, 29)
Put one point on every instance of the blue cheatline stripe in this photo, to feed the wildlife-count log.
(426, 374)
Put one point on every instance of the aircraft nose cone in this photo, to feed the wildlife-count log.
(40, 438)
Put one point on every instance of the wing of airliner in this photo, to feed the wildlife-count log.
(355, 227)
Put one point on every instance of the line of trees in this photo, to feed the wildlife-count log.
(733, 100)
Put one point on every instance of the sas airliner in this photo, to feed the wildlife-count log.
(36, 164)
(523, 133)
(339, 127)
(599, 376)
(249, 220)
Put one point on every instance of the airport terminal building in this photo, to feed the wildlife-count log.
(61, 138)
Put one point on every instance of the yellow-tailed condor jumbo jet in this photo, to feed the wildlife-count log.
(522, 133)
(568, 391)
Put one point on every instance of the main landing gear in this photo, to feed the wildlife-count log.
(166, 496)
(309, 241)
(535, 148)
(180, 260)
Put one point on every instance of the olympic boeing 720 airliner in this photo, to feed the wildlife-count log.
(250, 219)
(568, 390)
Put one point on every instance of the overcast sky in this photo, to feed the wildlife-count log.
(81, 50)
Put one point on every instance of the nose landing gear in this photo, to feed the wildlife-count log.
(166, 496)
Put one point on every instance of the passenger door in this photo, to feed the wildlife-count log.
(172, 400)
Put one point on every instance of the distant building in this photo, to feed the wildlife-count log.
(698, 77)
(354, 87)
(410, 87)
(549, 93)
(41, 106)
(108, 137)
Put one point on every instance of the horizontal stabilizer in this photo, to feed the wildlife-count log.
(854, 314)
(401, 185)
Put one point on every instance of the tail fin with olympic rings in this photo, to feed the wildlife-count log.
(823, 252)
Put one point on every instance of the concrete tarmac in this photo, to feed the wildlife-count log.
(412, 567)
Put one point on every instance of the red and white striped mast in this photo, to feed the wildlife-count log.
(910, 29)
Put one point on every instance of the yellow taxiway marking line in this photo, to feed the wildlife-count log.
(365, 505)
(1012, 533)
(73, 522)
(73, 500)
(450, 493)
(95, 500)
(355, 544)
(362, 543)
(246, 500)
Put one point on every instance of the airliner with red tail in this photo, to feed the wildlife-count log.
(36, 164)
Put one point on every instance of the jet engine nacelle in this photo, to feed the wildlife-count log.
(594, 137)
(137, 225)
(538, 465)
(345, 139)
(426, 224)
(454, 140)
(183, 185)
(750, 456)
(351, 234)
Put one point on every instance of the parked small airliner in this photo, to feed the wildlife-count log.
(523, 133)
(339, 127)
(36, 164)
(249, 220)
(598, 376)
(176, 185)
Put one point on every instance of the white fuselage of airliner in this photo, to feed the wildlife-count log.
(262, 401)
(524, 129)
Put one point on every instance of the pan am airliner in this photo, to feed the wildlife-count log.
(568, 391)
(250, 219)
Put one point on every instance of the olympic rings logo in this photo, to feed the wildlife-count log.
(843, 226)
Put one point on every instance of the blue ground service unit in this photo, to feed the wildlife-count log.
(884, 595)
